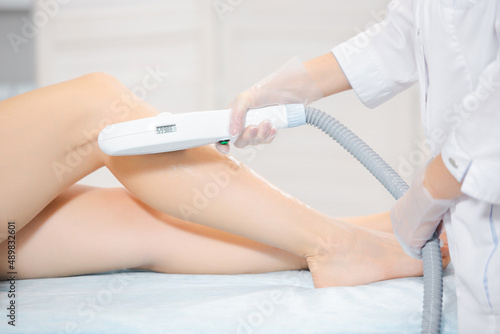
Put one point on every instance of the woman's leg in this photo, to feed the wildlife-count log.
(88, 230)
(377, 221)
(48, 141)
(51, 127)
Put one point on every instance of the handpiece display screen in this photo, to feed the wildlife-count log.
(165, 129)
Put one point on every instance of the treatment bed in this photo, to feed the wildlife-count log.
(280, 302)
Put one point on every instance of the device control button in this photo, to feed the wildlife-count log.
(453, 162)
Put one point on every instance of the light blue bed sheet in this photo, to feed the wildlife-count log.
(280, 302)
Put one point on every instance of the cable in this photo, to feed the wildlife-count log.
(431, 252)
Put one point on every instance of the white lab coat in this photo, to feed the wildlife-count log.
(452, 48)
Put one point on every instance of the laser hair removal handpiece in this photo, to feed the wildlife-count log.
(168, 132)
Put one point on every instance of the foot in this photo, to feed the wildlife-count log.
(364, 256)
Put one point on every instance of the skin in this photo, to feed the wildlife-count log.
(439, 181)
(158, 221)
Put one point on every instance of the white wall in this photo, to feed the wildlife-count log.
(17, 69)
(212, 55)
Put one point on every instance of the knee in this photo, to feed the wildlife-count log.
(109, 98)
(103, 84)
(102, 100)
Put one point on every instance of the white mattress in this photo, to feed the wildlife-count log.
(280, 302)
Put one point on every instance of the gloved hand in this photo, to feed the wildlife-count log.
(416, 216)
(289, 84)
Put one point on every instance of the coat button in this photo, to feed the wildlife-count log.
(452, 162)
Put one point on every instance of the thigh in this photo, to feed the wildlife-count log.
(88, 230)
(47, 143)
(83, 230)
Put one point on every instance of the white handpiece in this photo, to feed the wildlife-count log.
(171, 132)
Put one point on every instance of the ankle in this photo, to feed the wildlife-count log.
(335, 240)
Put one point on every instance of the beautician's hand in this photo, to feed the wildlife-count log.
(290, 84)
(416, 215)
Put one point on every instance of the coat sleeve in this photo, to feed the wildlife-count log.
(472, 150)
(380, 62)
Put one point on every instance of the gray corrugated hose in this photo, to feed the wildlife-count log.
(431, 253)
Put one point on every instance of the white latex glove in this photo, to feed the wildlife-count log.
(289, 84)
(416, 216)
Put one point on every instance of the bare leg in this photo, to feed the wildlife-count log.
(378, 221)
(47, 128)
(119, 231)
(47, 142)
